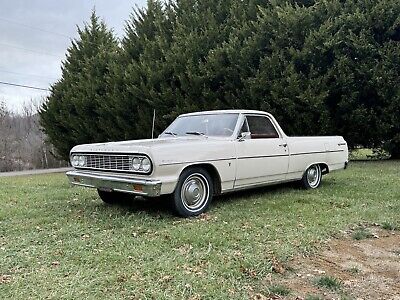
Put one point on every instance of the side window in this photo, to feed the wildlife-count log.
(261, 128)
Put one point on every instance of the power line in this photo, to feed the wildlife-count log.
(24, 86)
(24, 74)
(29, 50)
(43, 30)
(35, 28)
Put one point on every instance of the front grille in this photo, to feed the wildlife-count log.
(108, 162)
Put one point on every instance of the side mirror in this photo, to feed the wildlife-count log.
(244, 136)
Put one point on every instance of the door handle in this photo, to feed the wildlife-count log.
(283, 145)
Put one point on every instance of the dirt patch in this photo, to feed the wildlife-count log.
(360, 269)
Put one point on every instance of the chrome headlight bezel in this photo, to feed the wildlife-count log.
(78, 161)
(136, 163)
(81, 161)
(74, 160)
(141, 164)
(146, 164)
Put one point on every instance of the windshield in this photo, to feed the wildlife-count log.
(221, 125)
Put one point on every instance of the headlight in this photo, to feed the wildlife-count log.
(78, 161)
(81, 161)
(136, 162)
(140, 164)
(146, 164)
(74, 160)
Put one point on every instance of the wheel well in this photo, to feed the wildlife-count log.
(324, 168)
(213, 173)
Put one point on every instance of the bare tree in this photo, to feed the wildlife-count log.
(22, 142)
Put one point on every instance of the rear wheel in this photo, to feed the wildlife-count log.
(193, 193)
(312, 177)
(113, 197)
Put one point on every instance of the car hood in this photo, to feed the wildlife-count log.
(168, 151)
(143, 146)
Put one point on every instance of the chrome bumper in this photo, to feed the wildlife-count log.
(137, 186)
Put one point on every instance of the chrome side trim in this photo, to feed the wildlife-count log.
(316, 152)
(195, 161)
(136, 186)
(258, 185)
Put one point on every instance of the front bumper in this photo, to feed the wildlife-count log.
(137, 186)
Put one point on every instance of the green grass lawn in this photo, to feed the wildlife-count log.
(61, 242)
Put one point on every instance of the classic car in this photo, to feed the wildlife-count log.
(204, 154)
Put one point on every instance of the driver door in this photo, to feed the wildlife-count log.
(263, 157)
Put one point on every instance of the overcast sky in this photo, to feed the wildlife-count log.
(29, 56)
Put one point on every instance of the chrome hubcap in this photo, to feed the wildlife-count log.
(313, 174)
(194, 191)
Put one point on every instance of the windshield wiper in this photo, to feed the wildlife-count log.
(195, 133)
(170, 133)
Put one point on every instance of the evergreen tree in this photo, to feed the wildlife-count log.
(321, 67)
(327, 69)
(72, 113)
(142, 72)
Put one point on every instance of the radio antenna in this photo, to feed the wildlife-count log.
(152, 127)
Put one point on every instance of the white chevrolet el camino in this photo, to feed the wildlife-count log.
(205, 154)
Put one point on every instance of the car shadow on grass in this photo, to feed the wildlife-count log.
(153, 206)
(162, 206)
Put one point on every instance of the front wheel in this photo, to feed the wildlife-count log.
(312, 177)
(193, 193)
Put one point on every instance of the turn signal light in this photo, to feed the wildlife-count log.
(138, 187)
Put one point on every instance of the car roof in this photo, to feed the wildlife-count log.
(226, 111)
